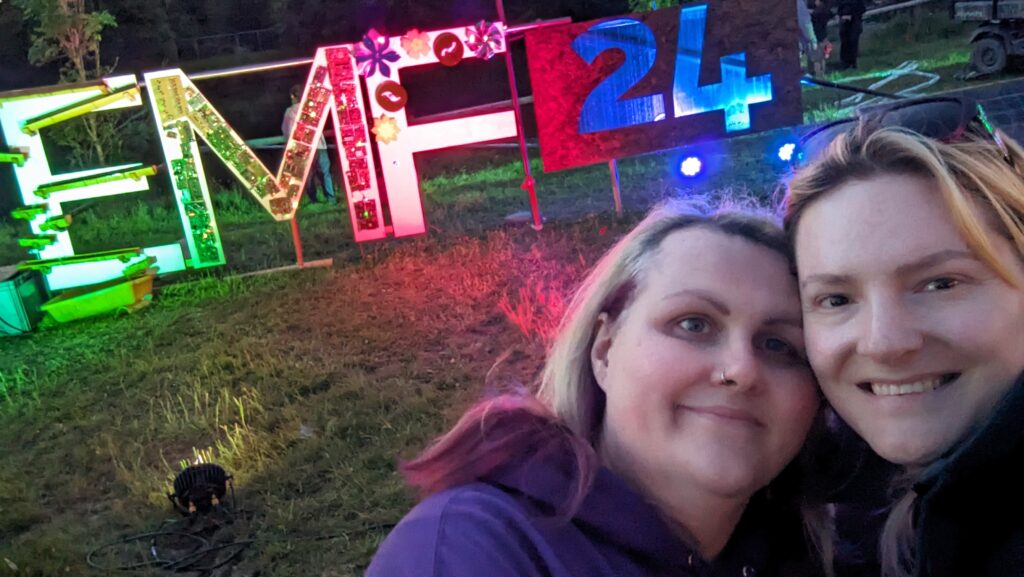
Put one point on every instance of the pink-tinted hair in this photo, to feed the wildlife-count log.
(496, 432)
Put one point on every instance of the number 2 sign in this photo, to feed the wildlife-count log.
(630, 85)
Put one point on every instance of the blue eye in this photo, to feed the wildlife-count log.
(695, 325)
(781, 348)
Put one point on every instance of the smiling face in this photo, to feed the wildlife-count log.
(913, 339)
(707, 302)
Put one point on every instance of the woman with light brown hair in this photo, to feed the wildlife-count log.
(674, 396)
(908, 228)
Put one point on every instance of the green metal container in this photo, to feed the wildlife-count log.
(21, 298)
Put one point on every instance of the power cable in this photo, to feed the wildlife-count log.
(200, 547)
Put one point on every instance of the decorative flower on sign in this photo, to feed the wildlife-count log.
(416, 44)
(385, 128)
(484, 39)
(374, 53)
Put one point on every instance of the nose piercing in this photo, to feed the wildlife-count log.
(721, 378)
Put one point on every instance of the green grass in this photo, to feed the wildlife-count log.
(306, 386)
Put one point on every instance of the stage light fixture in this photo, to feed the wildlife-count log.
(199, 488)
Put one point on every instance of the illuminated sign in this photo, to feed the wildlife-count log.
(483, 40)
(625, 86)
(22, 115)
(184, 115)
(333, 89)
(602, 90)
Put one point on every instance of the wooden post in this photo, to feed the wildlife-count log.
(613, 168)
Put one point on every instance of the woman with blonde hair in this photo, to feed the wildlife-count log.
(908, 228)
(675, 393)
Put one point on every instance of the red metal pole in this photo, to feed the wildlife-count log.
(529, 184)
(297, 239)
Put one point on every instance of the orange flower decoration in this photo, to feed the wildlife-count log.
(385, 129)
(416, 44)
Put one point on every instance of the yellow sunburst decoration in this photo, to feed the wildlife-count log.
(385, 129)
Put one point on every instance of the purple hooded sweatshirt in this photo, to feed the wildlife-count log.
(508, 525)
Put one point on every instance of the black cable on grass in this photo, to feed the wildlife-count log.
(182, 560)
(198, 493)
(188, 560)
(156, 562)
(186, 563)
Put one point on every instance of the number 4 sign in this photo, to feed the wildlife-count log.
(625, 86)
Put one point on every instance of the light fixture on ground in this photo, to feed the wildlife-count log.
(199, 488)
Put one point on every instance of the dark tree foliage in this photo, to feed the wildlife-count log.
(154, 33)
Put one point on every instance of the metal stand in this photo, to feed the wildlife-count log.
(849, 87)
(297, 239)
(529, 185)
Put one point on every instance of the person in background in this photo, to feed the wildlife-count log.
(821, 13)
(851, 14)
(675, 395)
(820, 16)
(908, 225)
(320, 172)
(808, 39)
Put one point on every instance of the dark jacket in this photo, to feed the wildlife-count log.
(507, 526)
(969, 509)
(820, 16)
(851, 7)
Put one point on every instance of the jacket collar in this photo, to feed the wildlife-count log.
(617, 513)
(983, 457)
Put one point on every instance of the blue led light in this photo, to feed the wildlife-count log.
(786, 151)
(691, 166)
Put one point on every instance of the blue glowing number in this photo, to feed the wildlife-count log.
(734, 94)
(603, 109)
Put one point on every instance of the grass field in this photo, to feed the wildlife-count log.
(308, 385)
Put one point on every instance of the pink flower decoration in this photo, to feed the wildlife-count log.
(416, 44)
(484, 39)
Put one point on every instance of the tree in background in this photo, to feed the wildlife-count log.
(66, 31)
(69, 33)
(645, 5)
(145, 35)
